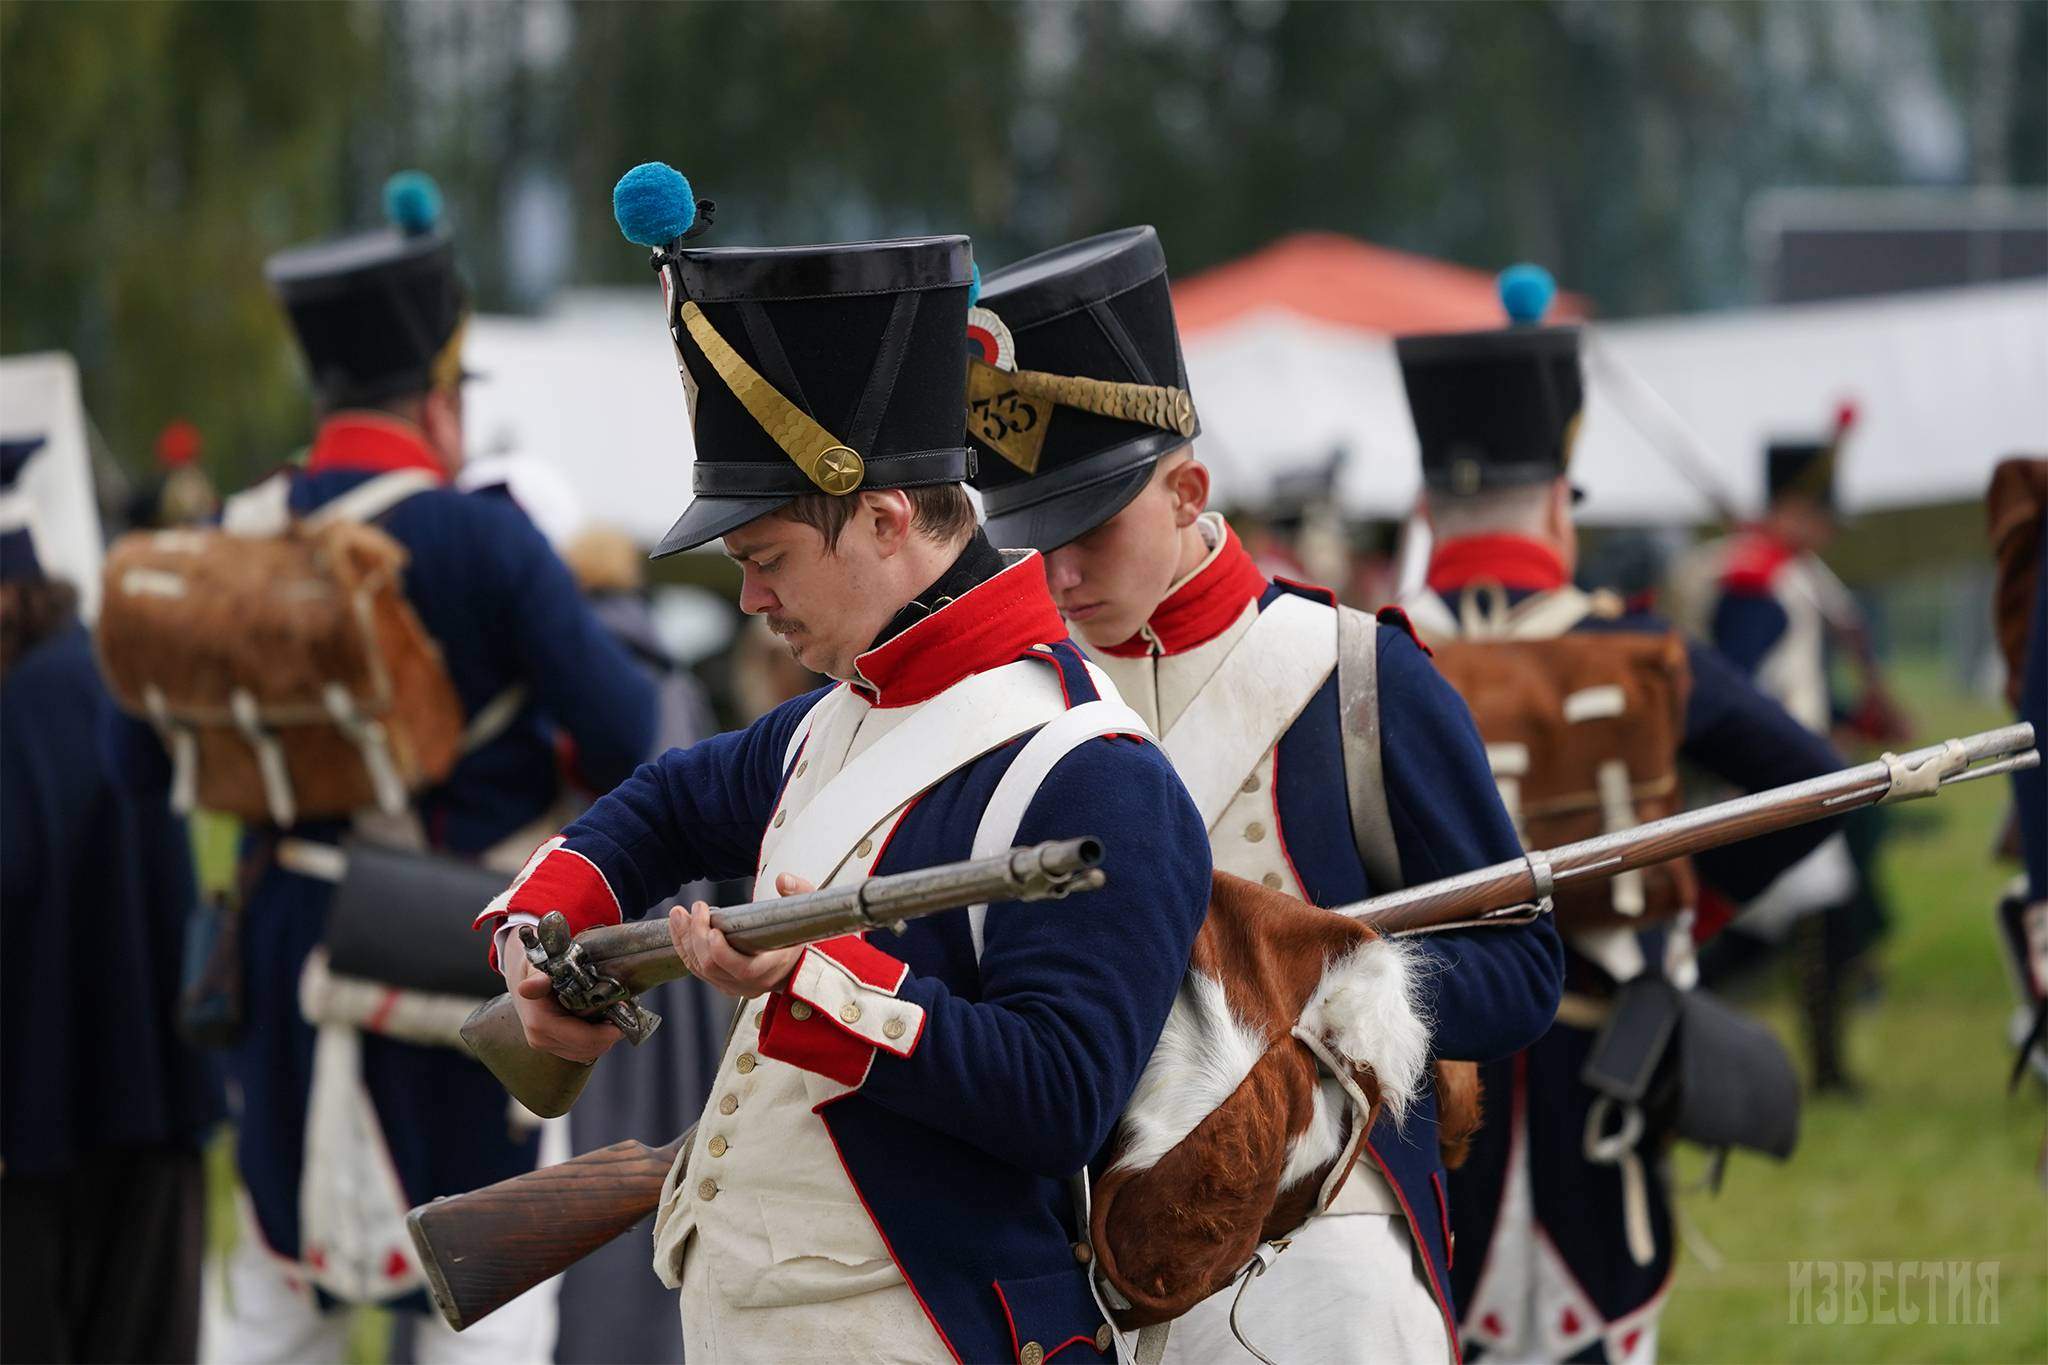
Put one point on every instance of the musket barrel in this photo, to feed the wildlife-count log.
(640, 956)
(1489, 889)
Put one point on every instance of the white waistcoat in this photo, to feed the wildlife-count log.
(759, 1225)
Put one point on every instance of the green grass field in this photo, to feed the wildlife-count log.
(1936, 1163)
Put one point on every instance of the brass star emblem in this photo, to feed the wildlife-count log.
(840, 470)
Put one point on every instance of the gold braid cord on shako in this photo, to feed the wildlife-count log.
(825, 459)
(1009, 410)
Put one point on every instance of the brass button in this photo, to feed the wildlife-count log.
(779, 817)
(802, 764)
(864, 848)
(1083, 1252)
(718, 1145)
(1250, 784)
(707, 1189)
(1102, 1337)
(760, 1019)
(1032, 1354)
(1255, 831)
(893, 1029)
(728, 1104)
(745, 1063)
(850, 1012)
(799, 1010)
(1272, 880)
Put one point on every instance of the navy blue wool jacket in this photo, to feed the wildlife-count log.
(96, 885)
(960, 1150)
(505, 613)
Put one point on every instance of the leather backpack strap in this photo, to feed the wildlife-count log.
(1358, 710)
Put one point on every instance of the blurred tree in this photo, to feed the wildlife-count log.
(154, 153)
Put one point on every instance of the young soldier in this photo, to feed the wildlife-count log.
(882, 1170)
(380, 318)
(1566, 1228)
(1078, 398)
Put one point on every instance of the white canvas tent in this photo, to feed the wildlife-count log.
(39, 397)
(1946, 382)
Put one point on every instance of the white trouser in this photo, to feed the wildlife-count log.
(1347, 1289)
(259, 1313)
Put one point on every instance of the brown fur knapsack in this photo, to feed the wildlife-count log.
(1583, 733)
(280, 660)
(1293, 1029)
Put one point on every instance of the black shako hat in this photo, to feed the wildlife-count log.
(1805, 465)
(1496, 409)
(1076, 386)
(378, 314)
(809, 369)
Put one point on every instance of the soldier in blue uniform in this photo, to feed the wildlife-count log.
(1565, 1256)
(380, 318)
(883, 1170)
(1770, 603)
(1095, 469)
(102, 1107)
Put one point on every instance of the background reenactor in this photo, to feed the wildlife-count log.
(102, 1107)
(1263, 694)
(883, 1173)
(1563, 1206)
(449, 711)
(1769, 602)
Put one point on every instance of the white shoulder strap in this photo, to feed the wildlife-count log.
(1270, 676)
(1041, 753)
(974, 716)
(372, 498)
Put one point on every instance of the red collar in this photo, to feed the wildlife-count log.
(372, 442)
(1204, 606)
(989, 625)
(1754, 560)
(1516, 563)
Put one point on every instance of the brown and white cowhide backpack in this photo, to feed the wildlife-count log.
(1294, 1029)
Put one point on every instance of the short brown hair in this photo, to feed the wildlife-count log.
(940, 511)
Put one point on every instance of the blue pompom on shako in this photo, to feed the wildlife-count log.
(378, 313)
(1526, 291)
(828, 369)
(1498, 408)
(412, 201)
(974, 287)
(18, 561)
(653, 204)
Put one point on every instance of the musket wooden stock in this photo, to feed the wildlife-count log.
(483, 1249)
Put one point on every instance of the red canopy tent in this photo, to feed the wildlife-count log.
(1340, 280)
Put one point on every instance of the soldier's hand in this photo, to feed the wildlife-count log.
(710, 958)
(549, 1027)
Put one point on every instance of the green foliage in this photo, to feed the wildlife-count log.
(155, 152)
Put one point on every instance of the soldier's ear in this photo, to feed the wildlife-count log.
(889, 514)
(1188, 482)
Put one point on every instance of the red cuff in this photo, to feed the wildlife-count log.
(838, 1008)
(554, 878)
